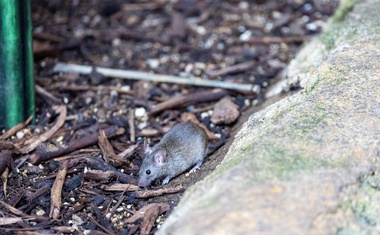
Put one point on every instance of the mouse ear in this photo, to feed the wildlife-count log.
(147, 148)
(160, 156)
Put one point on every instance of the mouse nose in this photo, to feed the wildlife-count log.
(142, 183)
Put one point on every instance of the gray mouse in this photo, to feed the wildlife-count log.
(183, 146)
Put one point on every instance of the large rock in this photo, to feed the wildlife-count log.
(308, 164)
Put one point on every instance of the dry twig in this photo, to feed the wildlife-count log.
(197, 97)
(128, 151)
(277, 40)
(141, 213)
(147, 214)
(131, 122)
(10, 220)
(91, 88)
(155, 193)
(135, 75)
(144, 6)
(15, 129)
(46, 154)
(99, 175)
(232, 69)
(101, 165)
(122, 187)
(47, 94)
(100, 226)
(35, 141)
(56, 191)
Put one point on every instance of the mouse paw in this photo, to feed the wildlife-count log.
(196, 167)
(166, 180)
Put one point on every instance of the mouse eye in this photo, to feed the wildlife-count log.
(147, 172)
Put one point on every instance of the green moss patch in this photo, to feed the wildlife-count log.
(365, 204)
(343, 9)
(276, 162)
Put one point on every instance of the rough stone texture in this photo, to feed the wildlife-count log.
(308, 164)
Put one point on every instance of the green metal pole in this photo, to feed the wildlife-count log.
(29, 62)
(16, 62)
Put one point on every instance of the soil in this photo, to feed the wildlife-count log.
(234, 41)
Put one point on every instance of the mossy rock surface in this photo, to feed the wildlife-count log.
(308, 164)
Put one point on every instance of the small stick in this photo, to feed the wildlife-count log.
(128, 151)
(232, 69)
(105, 146)
(64, 229)
(143, 6)
(99, 225)
(131, 119)
(92, 88)
(15, 129)
(277, 40)
(140, 214)
(4, 178)
(202, 96)
(46, 154)
(47, 94)
(35, 141)
(14, 210)
(96, 163)
(38, 193)
(135, 75)
(6, 160)
(99, 175)
(56, 191)
(9, 220)
(122, 187)
(101, 219)
(48, 37)
(149, 219)
(114, 208)
(155, 193)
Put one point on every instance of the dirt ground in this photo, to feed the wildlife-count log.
(77, 180)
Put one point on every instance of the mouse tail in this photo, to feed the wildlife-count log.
(213, 146)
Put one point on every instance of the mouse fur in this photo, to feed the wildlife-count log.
(183, 146)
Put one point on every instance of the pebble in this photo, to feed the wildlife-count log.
(116, 42)
(153, 63)
(113, 93)
(77, 220)
(20, 135)
(256, 101)
(125, 88)
(256, 89)
(188, 68)
(40, 212)
(120, 209)
(204, 115)
(201, 30)
(140, 112)
(311, 26)
(199, 65)
(220, 46)
(60, 139)
(88, 100)
(247, 102)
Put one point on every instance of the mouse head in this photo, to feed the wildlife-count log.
(152, 165)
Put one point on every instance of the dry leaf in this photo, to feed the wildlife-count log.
(225, 111)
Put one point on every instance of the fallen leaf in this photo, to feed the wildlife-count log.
(225, 111)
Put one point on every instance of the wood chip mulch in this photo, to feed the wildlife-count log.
(73, 169)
